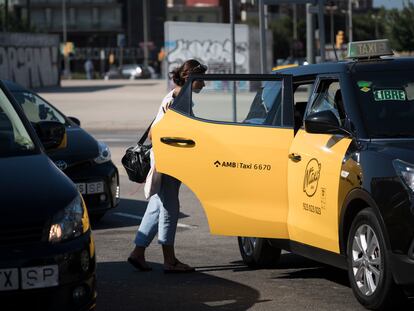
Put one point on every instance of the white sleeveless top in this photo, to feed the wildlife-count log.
(153, 181)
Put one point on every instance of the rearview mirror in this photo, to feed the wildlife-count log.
(52, 134)
(75, 120)
(324, 122)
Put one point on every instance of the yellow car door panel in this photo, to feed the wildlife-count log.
(241, 186)
(313, 189)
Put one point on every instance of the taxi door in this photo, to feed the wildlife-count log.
(229, 144)
(314, 173)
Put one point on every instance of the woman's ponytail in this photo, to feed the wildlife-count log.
(180, 74)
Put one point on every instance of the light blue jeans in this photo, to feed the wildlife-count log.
(161, 215)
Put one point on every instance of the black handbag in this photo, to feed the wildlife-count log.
(136, 160)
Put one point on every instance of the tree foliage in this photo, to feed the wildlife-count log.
(369, 25)
(14, 22)
(401, 27)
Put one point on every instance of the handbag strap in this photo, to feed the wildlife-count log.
(145, 135)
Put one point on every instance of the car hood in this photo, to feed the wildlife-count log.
(33, 189)
(81, 147)
(402, 149)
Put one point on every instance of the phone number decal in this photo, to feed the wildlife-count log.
(244, 166)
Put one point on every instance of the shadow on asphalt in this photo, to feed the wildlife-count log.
(78, 89)
(292, 261)
(332, 274)
(121, 287)
(235, 266)
(287, 261)
(128, 213)
(88, 88)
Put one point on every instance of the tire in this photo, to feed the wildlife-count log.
(369, 268)
(258, 253)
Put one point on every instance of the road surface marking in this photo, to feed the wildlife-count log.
(179, 225)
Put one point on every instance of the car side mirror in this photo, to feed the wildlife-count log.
(75, 120)
(52, 134)
(324, 122)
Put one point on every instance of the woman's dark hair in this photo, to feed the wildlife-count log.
(180, 74)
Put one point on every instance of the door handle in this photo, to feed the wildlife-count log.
(295, 157)
(178, 142)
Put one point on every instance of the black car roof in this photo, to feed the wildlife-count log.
(355, 66)
(14, 87)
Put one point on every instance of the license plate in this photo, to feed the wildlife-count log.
(9, 279)
(32, 277)
(91, 188)
(40, 277)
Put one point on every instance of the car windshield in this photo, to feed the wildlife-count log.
(14, 139)
(387, 102)
(36, 109)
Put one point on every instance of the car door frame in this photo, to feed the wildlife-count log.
(304, 235)
(221, 220)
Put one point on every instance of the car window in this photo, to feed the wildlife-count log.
(14, 139)
(328, 97)
(36, 109)
(386, 100)
(255, 102)
(301, 95)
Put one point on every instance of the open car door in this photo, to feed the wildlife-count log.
(229, 144)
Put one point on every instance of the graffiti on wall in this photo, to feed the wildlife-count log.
(30, 66)
(216, 54)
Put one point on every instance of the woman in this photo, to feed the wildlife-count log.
(163, 207)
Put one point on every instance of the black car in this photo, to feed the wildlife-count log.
(326, 174)
(85, 160)
(47, 253)
(130, 71)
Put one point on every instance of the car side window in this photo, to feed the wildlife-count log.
(37, 109)
(302, 93)
(328, 96)
(254, 102)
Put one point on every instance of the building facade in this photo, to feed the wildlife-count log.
(99, 28)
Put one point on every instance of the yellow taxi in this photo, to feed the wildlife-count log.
(326, 173)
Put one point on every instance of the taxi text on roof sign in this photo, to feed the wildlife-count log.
(369, 49)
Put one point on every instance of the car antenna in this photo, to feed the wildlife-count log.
(336, 55)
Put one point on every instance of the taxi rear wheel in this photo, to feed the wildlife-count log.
(369, 268)
(258, 253)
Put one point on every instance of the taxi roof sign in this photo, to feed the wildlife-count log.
(369, 49)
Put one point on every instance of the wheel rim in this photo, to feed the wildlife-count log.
(366, 260)
(249, 245)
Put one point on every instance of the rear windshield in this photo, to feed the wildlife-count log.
(14, 139)
(386, 100)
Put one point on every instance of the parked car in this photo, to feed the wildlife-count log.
(131, 71)
(85, 160)
(47, 259)
(327, 175)
(291, 62)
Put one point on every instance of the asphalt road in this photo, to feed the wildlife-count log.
(117, 115)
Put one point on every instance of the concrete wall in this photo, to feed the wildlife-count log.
(207, 42)
(31, 60)
(210, 43)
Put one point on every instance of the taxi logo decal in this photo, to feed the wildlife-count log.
(364, 86)
(312, 174)
(243, 165)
